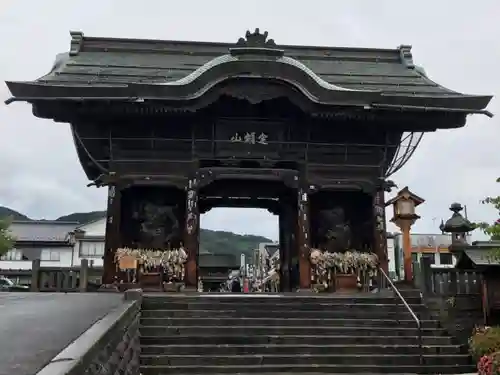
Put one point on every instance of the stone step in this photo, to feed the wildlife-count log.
(287, 330)
(314, 322)
(315, 334)
(224, 349)
(228, 311)
(310, 369)
(282, 299)
(306, 339)
(302, 359)
(317, 373)
(296, 306)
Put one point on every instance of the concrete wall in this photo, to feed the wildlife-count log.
(110, 346)
(458, 314)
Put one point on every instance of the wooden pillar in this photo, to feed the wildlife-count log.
(484, 298)
(304, 239)
(113, 235)
(380, 230)
(281, 224)
(284, 240)
(405, 227)
(191, 234)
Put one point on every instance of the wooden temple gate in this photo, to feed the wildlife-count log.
(176, 128)
(289, 197)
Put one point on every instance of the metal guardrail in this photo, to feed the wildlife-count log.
(410, 310)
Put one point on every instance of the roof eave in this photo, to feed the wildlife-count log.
(466, 104)
(42, 242)
(469, 104)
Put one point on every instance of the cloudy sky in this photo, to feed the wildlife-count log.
(456, 42)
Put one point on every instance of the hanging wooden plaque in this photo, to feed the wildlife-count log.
(127, 262)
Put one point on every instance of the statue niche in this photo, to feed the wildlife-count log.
(334, 232)
(156, 226)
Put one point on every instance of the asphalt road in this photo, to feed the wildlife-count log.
(35, 327)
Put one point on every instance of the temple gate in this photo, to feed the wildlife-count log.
(174, 129)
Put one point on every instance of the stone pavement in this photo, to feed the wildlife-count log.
(35, 327)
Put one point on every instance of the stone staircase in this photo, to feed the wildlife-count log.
(227, 334)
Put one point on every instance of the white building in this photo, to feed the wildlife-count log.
(264, 257)
(89, 242)
(55, 243)
(430, 245)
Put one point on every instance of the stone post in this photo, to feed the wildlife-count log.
(35, 276)
(84, 275)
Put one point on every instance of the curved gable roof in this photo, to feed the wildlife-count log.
(132, 68)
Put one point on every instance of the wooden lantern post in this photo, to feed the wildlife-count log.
(404, 217)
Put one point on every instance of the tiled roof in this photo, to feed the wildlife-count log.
(117, 61)
(112, 67)
(42, 230)
(482, 257)
(218, 260)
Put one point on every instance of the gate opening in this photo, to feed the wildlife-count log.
(238, 246)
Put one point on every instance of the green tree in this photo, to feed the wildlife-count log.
(492, 229)
(6, 239)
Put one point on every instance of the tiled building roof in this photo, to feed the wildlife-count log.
(41, 230)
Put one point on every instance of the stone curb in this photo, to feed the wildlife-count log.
(132, 295)
(70, 357)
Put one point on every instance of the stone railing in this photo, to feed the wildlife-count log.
(42, 278)
(59, 279)
(453, 296)
(110, 346)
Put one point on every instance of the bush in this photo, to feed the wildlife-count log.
(484, 342)
(489, 364)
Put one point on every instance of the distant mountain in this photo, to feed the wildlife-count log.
(80, 217)
(220, 242)
(214, 242)
(14, 215)
(83, 217)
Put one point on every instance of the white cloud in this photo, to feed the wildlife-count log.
(456, 42)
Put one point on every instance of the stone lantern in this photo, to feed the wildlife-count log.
(458, 226)
(404, 216)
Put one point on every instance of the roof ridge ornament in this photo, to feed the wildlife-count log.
(76, 42)
(256, 39)
(406, 56)
(256, 43)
